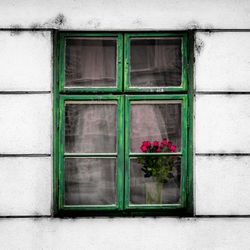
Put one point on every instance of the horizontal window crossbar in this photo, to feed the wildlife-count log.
(90, 207)
(90, 155)
(154, 154)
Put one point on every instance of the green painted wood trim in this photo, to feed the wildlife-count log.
(180, 212)
(90, 207)
(55, 122)
(89, 34)
(190, 156)
(119, 73)
(127, 87)
(119, 155)
(61, 154)
(114, 210)
(128, 155)
(100, 155)
(154, 154)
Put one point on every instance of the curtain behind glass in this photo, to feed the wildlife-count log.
(154, 122)
(90, 128)
(90, 62)
(155, 62)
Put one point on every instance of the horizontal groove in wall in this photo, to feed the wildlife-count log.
(222, 216)
(25, 155)
(222, 30)
(25, 216)
(97, 217)
(124, 30)
(27, 29)
(222, 92)
(222, 154)
(23, 92)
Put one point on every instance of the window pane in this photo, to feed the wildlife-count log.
(155, 121)
(155, 180)
(90, 181)
(90, 127)
(155, 62)
(90, 62)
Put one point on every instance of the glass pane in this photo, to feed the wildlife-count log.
(155, 121)
(90, 181)
(90, 127)
(155, 180)
(155, 62)
(90, 62)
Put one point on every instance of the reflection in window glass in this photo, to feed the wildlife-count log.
(154, 121)
(90, 181)
(90, 62)
(160, 187)
(90, 127)
(155, 62)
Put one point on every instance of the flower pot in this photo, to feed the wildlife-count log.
(154, 192)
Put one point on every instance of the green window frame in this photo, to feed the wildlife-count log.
(123, 95)
(64, 36)
(127, 38)
(182, 154)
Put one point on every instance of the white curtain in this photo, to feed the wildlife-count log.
(90, 62)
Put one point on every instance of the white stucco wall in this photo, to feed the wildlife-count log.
(124, 233)
(26, 63)
(25, 123)
(126, 14)
(221, 123)
(221, 118)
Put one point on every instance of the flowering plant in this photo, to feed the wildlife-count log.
(159, 167)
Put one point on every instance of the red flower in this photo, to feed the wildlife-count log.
(162, 145)
(169, 144)
(143, 148)
(173, 148)
(158, 149)
(164, 141)
(156, 143)
(145, 143)
(174, 156)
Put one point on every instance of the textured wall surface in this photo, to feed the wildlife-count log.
(25, 123)
(25, 61)
(25, 186)
(222, 184)
(126, 15)
(221, 121)
(222, 61)
(125, 233)
(222, 118)
(25, 126)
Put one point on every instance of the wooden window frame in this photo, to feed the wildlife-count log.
(123, 94)
(127, 86)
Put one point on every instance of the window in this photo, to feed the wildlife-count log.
(122, 130)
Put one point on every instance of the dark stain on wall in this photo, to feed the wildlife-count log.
(192, 25)
(60, 19)
(15, 29)
(35, 26)
(198, 45)
(57, 22)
